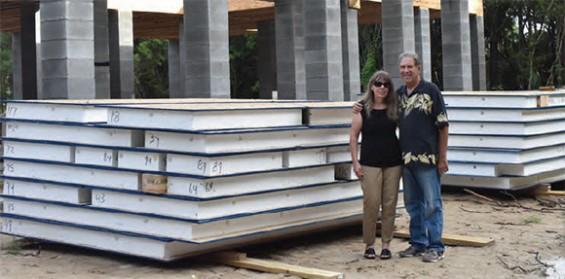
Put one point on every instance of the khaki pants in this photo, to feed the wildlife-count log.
(380, 187)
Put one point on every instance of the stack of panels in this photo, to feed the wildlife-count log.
(230, 173)
(505, 140)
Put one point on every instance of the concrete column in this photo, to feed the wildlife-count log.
(478, 53)
(456, 45)
(289, 29)
(174, 67)
(39, 54)
(121, 54)
(267, 59)
(16, 67)
(101, 50)
(423, 43)
(67, 43)
(182, 58)
(350, 52)
(322, 54)
(398, 34)
(28, 53)
(206, 65)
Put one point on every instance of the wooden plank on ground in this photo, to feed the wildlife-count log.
(543, 190)
(241, 260)
(453, 239)
(550, 193)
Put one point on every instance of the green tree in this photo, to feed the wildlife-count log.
(244, 81)
(151, 68)
(369, 68)
(525, 43)
(370, 51)
(6, 89)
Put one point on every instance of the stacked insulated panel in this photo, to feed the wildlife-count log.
(505, 140)
(164, 179)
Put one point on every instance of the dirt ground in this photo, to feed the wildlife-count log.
(528, 234)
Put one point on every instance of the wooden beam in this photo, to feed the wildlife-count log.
(453, 239)
(355, 4)
(428, 4)
(159, 19)
(176, 6)
(552, 193)
(241, 260)
(242, 5)
(150, 6)
(10, 14)
(476, 7)
(549, 193)
(226, 256)
(154, 25)
(242, 22)
(370, 13)
(541, 190)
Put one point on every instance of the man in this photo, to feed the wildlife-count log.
(424, 131)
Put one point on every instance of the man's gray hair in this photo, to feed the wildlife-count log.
(412, 55)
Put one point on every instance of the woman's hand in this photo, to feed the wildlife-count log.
(358, 170)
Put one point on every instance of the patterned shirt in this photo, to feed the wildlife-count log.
(422, 115)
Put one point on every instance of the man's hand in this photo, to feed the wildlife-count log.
(357, 107)
(442, 167)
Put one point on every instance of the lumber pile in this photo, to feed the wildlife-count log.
(505, 140)
(241, 260)
(164, 179)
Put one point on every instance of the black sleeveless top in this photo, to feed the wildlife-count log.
(379, 143)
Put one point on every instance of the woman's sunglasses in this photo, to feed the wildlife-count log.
(379, 84)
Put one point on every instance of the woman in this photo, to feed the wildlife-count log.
(380, 166)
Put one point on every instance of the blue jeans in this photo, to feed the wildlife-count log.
(422, 198)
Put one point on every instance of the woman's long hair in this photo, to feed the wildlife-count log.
(391, 99)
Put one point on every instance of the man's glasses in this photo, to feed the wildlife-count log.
(379, 84)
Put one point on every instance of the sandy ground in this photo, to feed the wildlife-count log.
(529, 242)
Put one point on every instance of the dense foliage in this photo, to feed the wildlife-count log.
(525, 43)
(243, 67)
(151, 68)
(5, 66)
(370, 52)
